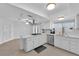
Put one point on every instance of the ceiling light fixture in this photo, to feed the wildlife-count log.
(27, 22)
(60, 18)
(51, 6)
(25, 19)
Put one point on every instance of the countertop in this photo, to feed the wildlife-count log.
(50, 34)
(29, 36)
(68, 36)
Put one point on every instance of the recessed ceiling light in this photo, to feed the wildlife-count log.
(51, 6)
(60, 18)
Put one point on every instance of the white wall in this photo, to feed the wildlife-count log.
(5, 29)
(10, 25)
(67, 26)
(21, 29)
(10, 30)
(46, 25)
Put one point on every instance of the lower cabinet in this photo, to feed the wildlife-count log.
(67, 43)
(28, 44)
(61, 42)
(43, 39)
(36, 42)
(39, 40)
(74, 45)
(58, 41)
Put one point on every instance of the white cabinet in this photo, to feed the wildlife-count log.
(22, 43)
(43, 39)
(30, 43)
(67, 43)
(39, 40)
(36, 41)
(26, 44)
(58, 41)
(74, 45)
(61, 42)
(77, 46)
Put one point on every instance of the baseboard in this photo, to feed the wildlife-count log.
(5, 41)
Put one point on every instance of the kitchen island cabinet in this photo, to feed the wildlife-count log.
(32, 42)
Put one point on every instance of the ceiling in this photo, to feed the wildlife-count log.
(40, 8)
(39, 11)
(68, 10)
(37, 8)
(11, 12)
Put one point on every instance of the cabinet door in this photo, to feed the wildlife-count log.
(74, 46)
(58, 41)
(22, 43)
(77, 46)
(43, 39)
(36, 42)
(28, 44)
(40, 40)
(61, 42)
(65, 43)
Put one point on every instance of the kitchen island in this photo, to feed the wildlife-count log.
(32, 42)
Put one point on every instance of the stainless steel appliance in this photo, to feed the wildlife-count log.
(50, 39)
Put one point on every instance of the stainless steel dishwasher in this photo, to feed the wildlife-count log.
(50, 39)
